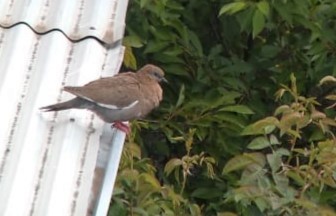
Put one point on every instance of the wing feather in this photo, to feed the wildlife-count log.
(119, 91)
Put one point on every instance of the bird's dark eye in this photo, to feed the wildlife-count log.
(156, 74)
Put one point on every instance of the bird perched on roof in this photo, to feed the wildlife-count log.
(123, 97)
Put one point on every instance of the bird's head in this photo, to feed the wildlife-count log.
(154, 72)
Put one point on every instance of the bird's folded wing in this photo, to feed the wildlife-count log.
(118, 92)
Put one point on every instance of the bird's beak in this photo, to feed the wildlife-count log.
(164, 80)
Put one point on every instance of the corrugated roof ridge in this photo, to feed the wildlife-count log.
(73, 40)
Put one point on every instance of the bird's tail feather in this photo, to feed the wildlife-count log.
(76, 103)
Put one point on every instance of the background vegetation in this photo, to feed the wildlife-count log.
(247, 125)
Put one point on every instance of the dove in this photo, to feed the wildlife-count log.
(123, 97)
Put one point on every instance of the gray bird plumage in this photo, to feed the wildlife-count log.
(123, 97)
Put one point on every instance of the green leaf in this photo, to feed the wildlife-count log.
(232, 8)
(242, 109)
(173, 51)
(258, 23)
(245, 19)
(262, 203)
(270, 51)
(263, 6)
(230, 118)
(283, 152)
(316, 135)
(285, 11)
(236, 163)
(274, 140)
(229, 96)
(143, 3)
(295, 175)
(274, 160)
(195, 41)
(181, 97)
(161, 33)
(241, 161)
(168, 59)
(263, 126)
(259, 143)
(207, 193)
(155, 46)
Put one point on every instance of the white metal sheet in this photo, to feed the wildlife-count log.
(48, 160)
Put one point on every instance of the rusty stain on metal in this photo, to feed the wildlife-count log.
(45, 10)
(18, 109)
(41, 26)
(2, 36)
(109, 36)
(78, 19)
(9, 142)
(90, 131)
(104, 64)
(41, 171)
(50, 136)
(11, 3)
(46, 19)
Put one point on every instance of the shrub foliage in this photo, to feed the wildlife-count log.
(247, 125)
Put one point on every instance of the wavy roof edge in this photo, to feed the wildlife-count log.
(76, 20)
(105, 42)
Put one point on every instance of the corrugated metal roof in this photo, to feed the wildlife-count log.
(48, 160)
(103, 19)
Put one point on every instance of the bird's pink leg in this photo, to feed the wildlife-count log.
(122, 126)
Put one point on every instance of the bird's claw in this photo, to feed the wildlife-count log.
(122, 126)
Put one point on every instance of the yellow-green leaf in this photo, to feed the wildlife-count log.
(129, 58)
(238, 109)
(236, 163)
(327, 79)
(282, 109)
(241, 161)
(151, 180)
(263, 6)
(135, 150)
(143, 3)
(290, 119)
(226, 214)
(331, 97)
(317, 115)
(232, 8)
(263, 126)
(258, 23)
(132, 41)
(172, 164)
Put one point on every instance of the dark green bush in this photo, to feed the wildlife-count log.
(200, 153)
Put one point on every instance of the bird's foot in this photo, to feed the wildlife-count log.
(122, 126)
